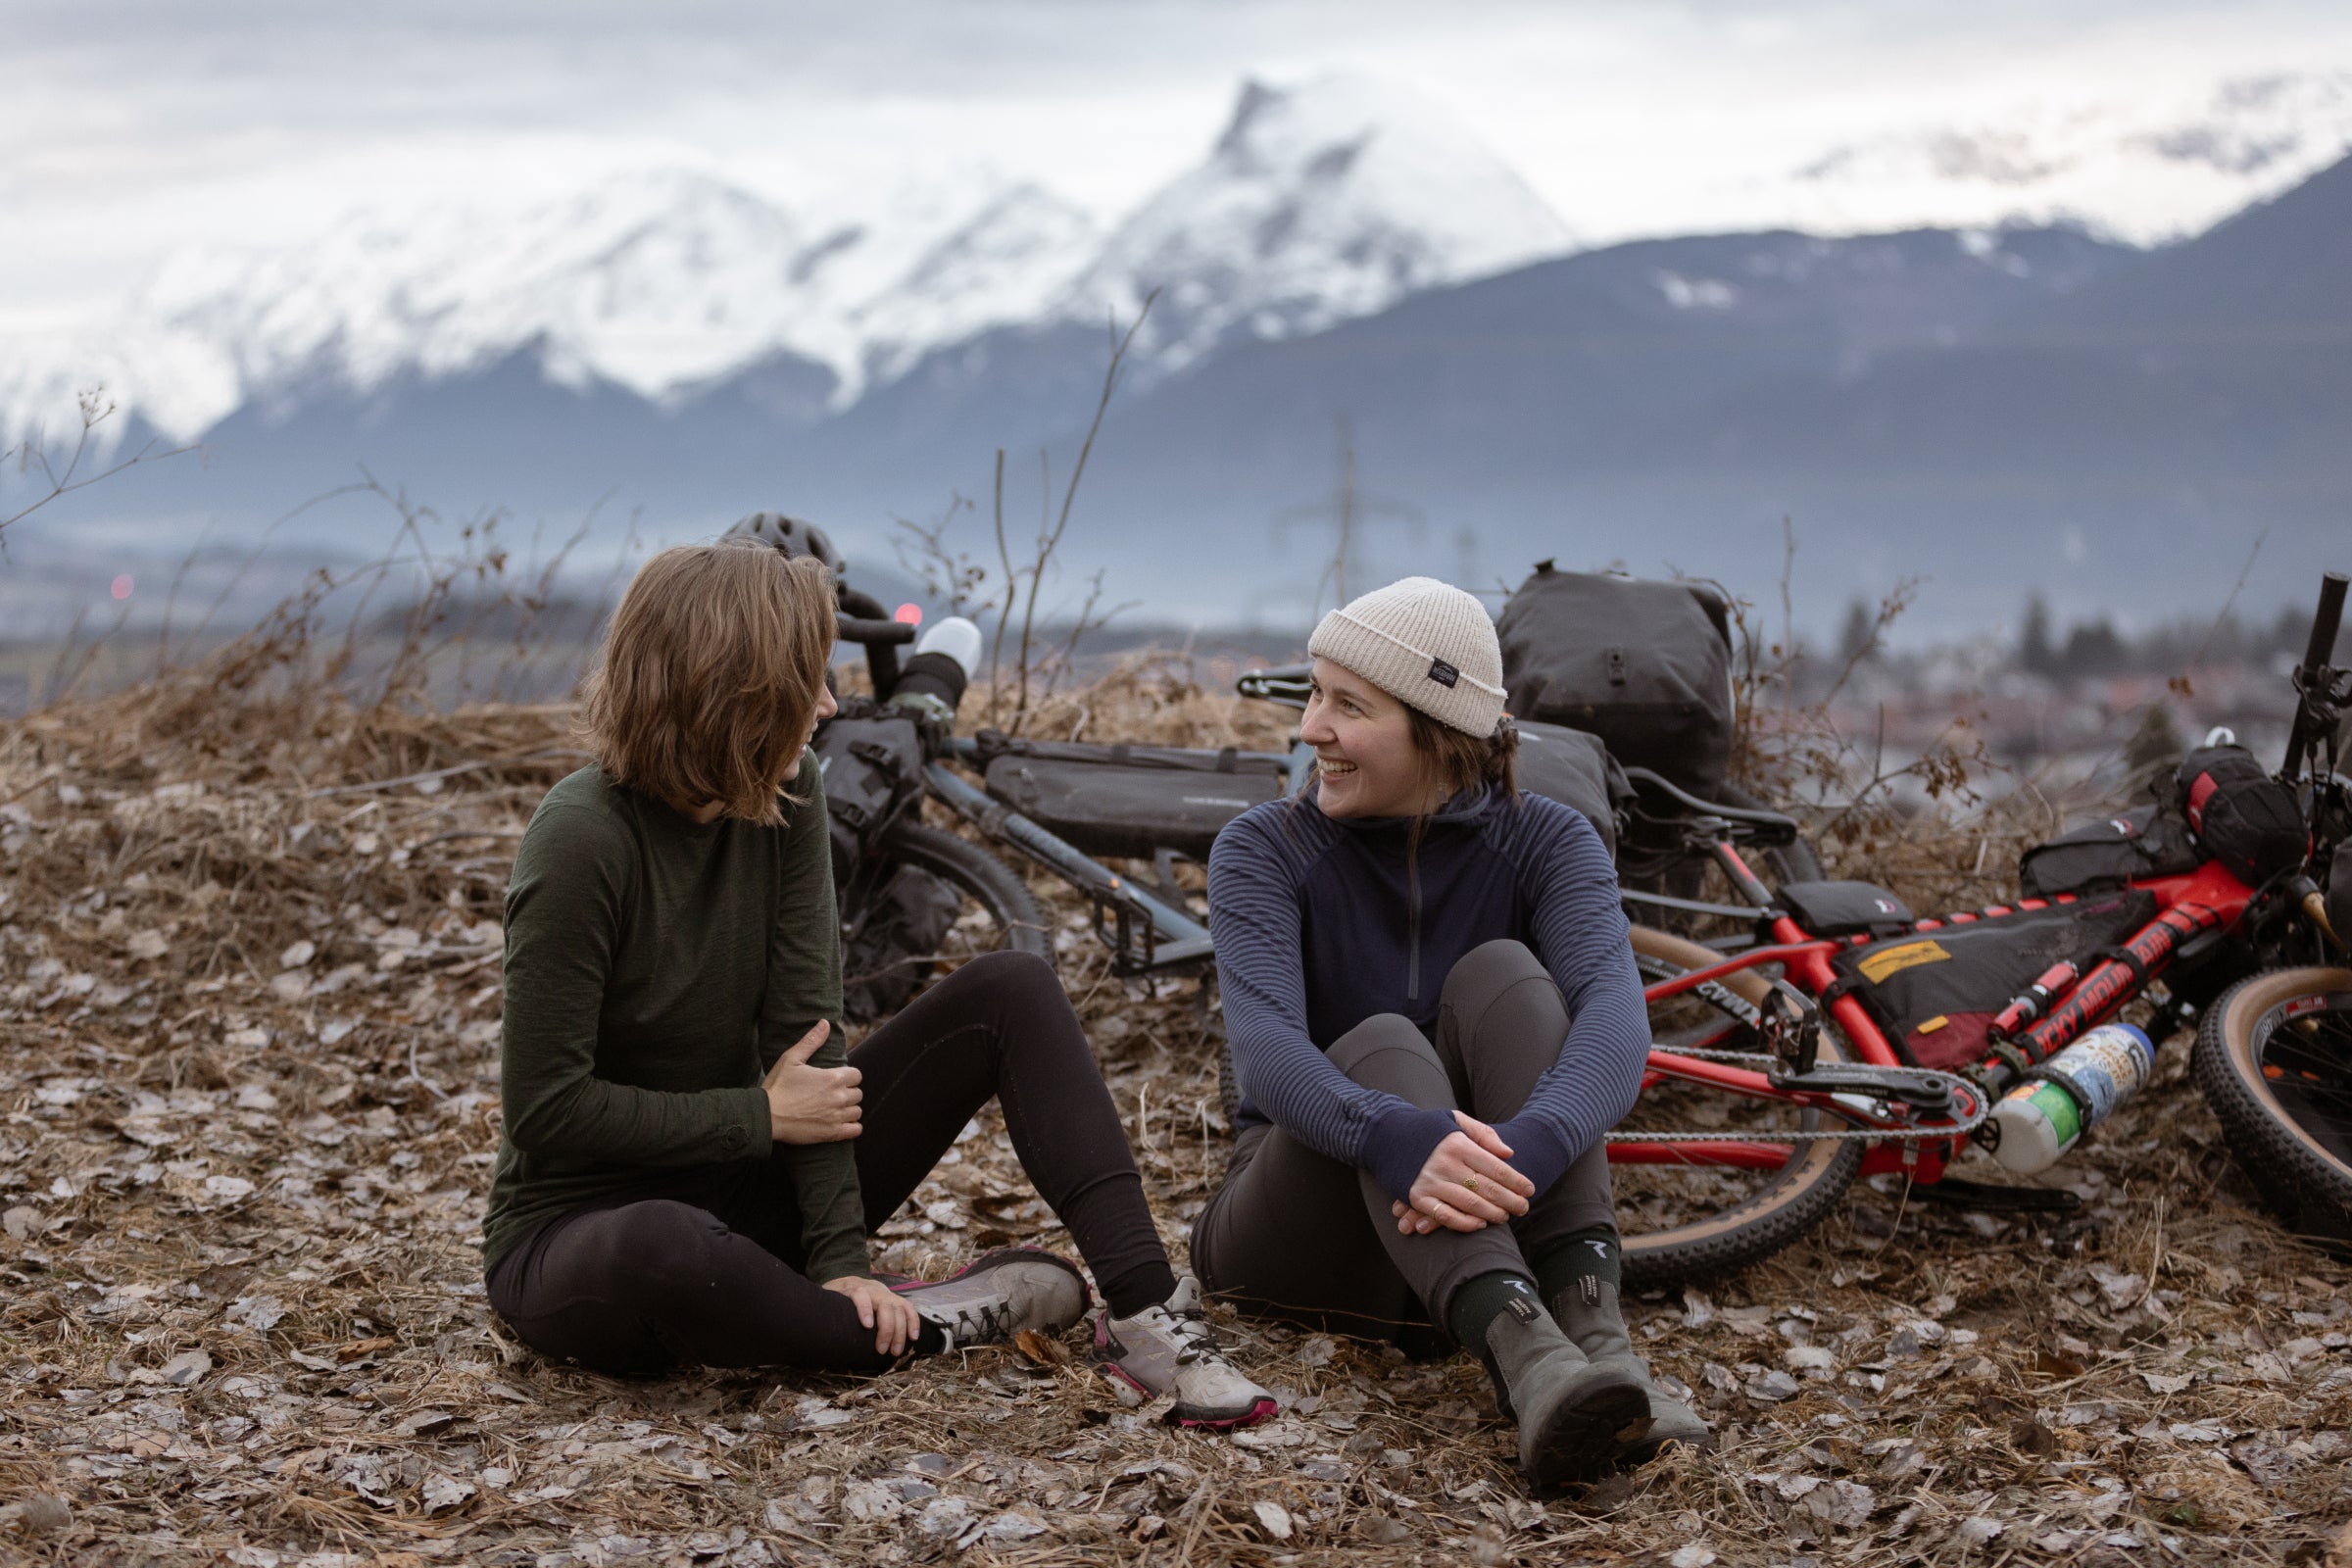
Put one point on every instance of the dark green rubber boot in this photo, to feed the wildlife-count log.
(1575, 1417)
(1587, 1314)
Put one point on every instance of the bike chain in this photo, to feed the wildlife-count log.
(1757, 1059)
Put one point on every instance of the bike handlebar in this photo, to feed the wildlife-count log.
(2328, 622)
(2315, 654)
(867, 632)
(1771, 827)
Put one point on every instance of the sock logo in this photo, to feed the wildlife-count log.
(1599, 1249)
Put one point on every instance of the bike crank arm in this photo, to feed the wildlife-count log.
(1853, 1092)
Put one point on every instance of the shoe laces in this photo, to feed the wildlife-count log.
(1195, 1339)
(971, 1324)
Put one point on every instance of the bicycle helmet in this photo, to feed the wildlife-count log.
(792, 536)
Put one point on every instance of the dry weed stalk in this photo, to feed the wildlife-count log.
(953, 577)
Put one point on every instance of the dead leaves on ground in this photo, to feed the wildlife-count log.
(248, 1076)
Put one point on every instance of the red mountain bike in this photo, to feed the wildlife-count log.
(1779, 1074)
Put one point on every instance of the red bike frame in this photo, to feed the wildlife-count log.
(2187, 906)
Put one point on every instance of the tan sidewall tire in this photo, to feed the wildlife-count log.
(1774, 1216)
(2302, 1177)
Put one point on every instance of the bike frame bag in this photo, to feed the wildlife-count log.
(1130, 801)
(1645, 665)
(1933, 993)
(2144, 842)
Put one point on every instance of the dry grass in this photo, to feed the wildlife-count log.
(248, 1052)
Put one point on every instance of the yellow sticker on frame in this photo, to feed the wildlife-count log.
(1894, 960)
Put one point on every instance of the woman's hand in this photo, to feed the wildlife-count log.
(811, 1105)
(1465, 1184)
(890, 1316)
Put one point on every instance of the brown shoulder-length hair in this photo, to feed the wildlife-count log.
(710, 676)
(1455, 761)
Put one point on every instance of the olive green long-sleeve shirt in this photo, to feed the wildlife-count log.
(656, 968)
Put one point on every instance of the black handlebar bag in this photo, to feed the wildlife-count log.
(2241, 817)
(870, 755)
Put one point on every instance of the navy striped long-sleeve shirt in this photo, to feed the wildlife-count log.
(1321, 923)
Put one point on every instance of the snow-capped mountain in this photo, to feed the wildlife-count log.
(1320, 203)
(653, 280)
(1317, 204)
(2154, 169)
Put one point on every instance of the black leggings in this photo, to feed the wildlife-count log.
(1294, 1234)
(702, 1265)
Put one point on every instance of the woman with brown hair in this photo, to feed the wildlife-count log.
(692, 1162)
(1434, 1014)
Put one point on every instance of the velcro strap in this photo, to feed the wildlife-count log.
(2126, 958)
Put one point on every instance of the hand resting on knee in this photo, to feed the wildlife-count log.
(1465, 1184)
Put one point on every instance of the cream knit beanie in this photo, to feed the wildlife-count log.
(1427, 644)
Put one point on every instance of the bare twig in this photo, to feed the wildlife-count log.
(32, 455)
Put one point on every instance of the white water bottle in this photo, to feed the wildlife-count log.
(2040, 1119)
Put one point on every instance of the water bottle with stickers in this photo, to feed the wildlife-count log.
(2040, 1119)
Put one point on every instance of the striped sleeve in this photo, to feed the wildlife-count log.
(1257, 871)
(1582, 937)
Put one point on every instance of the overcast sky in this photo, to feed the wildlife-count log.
(130, 128)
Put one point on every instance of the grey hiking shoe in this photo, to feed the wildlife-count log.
(1575, 1417)
(1005, 1292)
(1587, 1312)
(1169, 1350)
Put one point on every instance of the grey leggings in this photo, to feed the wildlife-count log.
(1294, 1234)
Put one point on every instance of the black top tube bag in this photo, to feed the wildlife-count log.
(2144, 842)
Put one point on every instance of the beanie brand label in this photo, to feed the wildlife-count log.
(1442, 674)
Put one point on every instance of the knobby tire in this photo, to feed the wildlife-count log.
(2308, 1182)
(987, 879)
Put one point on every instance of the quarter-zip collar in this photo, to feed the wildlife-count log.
(1465, 810)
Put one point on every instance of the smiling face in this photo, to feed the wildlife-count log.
(1365, 753)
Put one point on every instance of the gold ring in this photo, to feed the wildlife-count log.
(1470, 1184)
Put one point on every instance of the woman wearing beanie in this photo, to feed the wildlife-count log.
(1435, 1016)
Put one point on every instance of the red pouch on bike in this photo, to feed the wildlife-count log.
(2242, 817)
(1933, 993)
